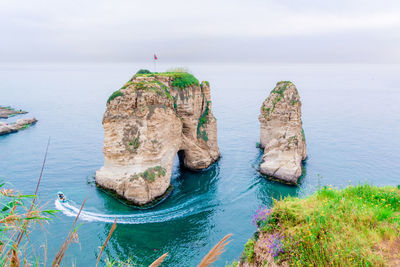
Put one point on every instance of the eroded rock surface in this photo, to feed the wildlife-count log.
(6, 128)
(282, 135)
(262, 253)
(147, 122)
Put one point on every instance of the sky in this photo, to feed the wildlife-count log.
(298, 31)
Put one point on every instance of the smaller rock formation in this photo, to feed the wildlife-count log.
(6, 128)
(282, 135)
(6, 112)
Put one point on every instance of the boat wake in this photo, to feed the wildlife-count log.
(191, 207)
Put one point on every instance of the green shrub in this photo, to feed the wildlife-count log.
(183, 80)
(249, 250)
(143, 71)
(114, 95)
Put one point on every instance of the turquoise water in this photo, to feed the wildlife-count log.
(351, 116)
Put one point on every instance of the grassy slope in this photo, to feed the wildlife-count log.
(356, 226)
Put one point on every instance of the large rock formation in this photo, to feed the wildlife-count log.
(282, 135)
(147, 122)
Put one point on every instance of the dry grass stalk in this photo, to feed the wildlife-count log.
(108, 238)
(25, 260)
(7, 192)
(10, 218)
(14, 257)
(70, 238)
(158, 261)
(215, 252)
(25, 226)
(45, 254)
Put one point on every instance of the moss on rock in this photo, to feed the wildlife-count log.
(114, 95)
(150, 174)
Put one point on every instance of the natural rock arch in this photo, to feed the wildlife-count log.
(150, 120)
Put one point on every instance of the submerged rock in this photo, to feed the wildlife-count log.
(6, 128)
(282, 135)
(147, 122)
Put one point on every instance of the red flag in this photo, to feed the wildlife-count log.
(155, 57)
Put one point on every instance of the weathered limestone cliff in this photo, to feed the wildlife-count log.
(147, 122)
(282, 135)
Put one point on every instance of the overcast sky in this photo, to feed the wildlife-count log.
(360, 31)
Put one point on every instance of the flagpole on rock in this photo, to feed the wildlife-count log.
(154, 61)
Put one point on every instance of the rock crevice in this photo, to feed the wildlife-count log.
(146, 123)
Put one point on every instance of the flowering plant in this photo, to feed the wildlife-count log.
(275, 245)
(261, 217)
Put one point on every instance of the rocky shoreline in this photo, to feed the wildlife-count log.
(6, 112)
(21, 124)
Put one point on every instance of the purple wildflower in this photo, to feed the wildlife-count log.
(275, 245)
(262, 215)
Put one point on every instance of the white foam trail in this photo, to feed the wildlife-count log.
(188, 208)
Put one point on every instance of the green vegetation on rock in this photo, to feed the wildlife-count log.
(183, 80)
(143, 71)
(233, 264)
(203, 135)
(179, 79)
(355, 226)
(279, 89)
(126, 84)
(26, 126)
(135, 143)
(114, 95)
(248, 253)
(203, 120)
(150, 174)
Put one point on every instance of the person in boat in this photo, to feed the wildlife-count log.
(61, 196)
